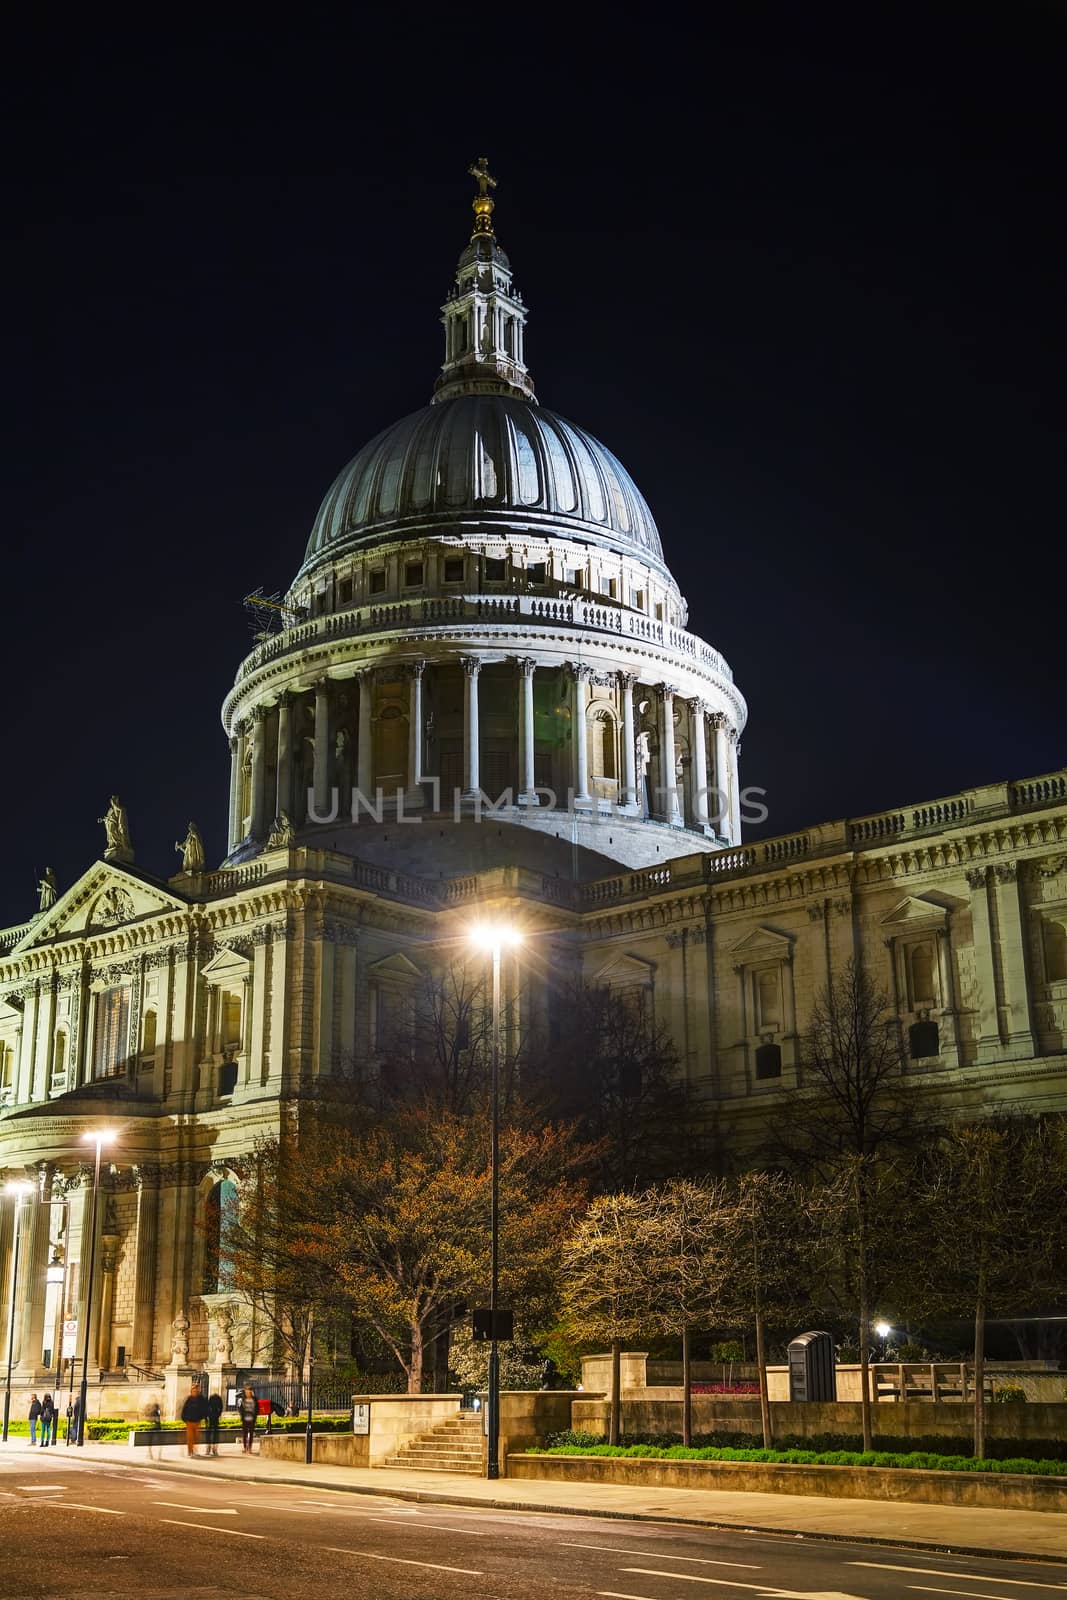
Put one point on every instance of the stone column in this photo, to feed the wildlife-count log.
(416, 670)
(365, 745)
(527, 779)
(582, 678)
(1016, 1010)
(284, 792)
(33, 1273)
(669, 808)
(472, 666)
(627, 682)
(144, 1294)
(722, 777)
(258, 824)
(321, 782)
(107, 1261)
(735, 787)
(697, 712)
(232, 833)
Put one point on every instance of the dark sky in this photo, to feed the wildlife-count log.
(802, 273)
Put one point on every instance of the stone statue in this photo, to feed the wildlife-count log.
(224, 1336)
(117, 829)
(192, 849)
(47, 890)
(282, 832)
(179, 1344)
(643, 754)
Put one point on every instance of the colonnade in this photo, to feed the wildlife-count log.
(701, 793)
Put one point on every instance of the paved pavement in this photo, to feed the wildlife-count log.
(963, 1529)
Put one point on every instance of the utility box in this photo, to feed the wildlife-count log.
(812, 1367)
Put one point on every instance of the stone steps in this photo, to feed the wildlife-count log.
(456, 1445)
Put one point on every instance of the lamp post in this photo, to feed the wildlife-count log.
(99, 1139)
(493, 937)
(19, 1191)
(883, 1330)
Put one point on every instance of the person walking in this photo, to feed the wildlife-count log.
(35, 1412)
(48, 1416)
(248, 1411)
(154, 1418)
(214, 1417)
(74, 1416)
(194, 1412)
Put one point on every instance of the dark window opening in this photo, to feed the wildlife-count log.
(496, 569)
(413, 573)
(377, 581)
(769, 1061)
(924, 1039)
(536, 572)
(344, 592)
(454, 569)
(227, 1077)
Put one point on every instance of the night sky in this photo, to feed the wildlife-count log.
(804, 276)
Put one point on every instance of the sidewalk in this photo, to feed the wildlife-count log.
(964, 1530)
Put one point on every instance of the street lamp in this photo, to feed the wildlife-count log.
(20, 1192)
(99, 1139)
(492, 937)
(883, 1330)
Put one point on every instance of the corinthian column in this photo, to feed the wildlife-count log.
(472, 666)
(259, 772)
(735, 787)
(668, 776)
(284, 793)
(321, 776)
(627, 680)
(232, 834)
(528, 782)
(582, 679)
(722, 778)
(144, 1295)
(364, 747)
(416, 670)
(697, 713)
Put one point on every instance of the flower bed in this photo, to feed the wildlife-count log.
(920, 1460)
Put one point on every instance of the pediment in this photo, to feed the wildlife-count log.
(624, 969)
(107, 896)
(763, 944)
(226, 966)
(397, 966)
(912, 912)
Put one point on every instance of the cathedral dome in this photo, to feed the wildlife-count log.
(501, 459)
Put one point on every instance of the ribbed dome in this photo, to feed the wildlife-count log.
(499, 458)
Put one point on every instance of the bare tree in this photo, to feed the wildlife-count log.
(682, 1239)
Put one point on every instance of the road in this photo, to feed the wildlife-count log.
(70, 1529)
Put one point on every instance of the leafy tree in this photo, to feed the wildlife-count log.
(605, 1284)
(681, 1240)
(848, 1125)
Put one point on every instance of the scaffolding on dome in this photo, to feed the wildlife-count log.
(267, 613)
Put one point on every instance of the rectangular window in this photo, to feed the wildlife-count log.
(344, 592)
(412, 574)
(496, 569)
(573, 576)
(608, 586)
(377, 581)
(111, 1033)
(453, 569)
(536, 572)
(637, 599)
(659, 612)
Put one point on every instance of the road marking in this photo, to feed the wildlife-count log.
(437, 1527)
(72, 1505)
(613, 1594)
(767, 1588)
(207, 1527)
(925, 1589)
(972, 1577)
(660, 1555)
(42, 1488)
(211, 1511)
(435, 1566)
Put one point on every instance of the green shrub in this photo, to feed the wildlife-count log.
(1009, 1394)
(916, 1459)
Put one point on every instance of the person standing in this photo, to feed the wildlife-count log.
(48, 1417)
(154, 1418)
(194, 1412)
(214, 1417)
(248, 1410)
(35, 1412)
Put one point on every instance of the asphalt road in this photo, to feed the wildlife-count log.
(73, 1529)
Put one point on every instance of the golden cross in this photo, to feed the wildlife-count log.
(480, 170)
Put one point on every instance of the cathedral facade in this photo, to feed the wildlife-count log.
(482, 699)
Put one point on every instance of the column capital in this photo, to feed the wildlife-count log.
(321, 685)
(666, 691)
(699, 708)
(734, 736)
(285, 700)
(581, 672)
(240, 727)
(415, 669)
(234, 741)
(719, 720)
(526, 665)
(365, 675)
(259, 713)
(472, 665)
(627, 681)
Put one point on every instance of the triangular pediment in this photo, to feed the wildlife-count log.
(226, 966)
(624, 969)
(396, 966)
(911, 912)
(106, 896)
(763, 944)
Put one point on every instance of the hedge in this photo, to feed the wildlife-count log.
(924, 1460)
(927, 1444)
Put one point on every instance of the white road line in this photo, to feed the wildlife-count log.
(972, 1577)
(926, 1589)
(42, 1488)
(660, 1555)
(435, 1566)
(613, 1594)
(437, 1527)
(207, 1527)
(72, 1505)
(693, 1577)
(210, 1511)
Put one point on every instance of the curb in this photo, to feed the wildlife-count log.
(442, 1497)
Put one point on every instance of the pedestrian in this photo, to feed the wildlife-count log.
(248, 1411)
(74, 1416)
(214, 1416)
(48, 1416)
(194, 1412)
(154, 1417)
(35, 1412)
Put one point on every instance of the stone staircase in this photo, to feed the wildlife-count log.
(456, 1445)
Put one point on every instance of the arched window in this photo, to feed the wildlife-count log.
(7, 1062)
(148, 1033)
(1055, 952)
(923, 990)
(220, 1220)
(603, 746)
(59, 1054)
(231, 1020)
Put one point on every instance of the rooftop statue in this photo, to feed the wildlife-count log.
(117, 830)
(47, 890)
(192, 849)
